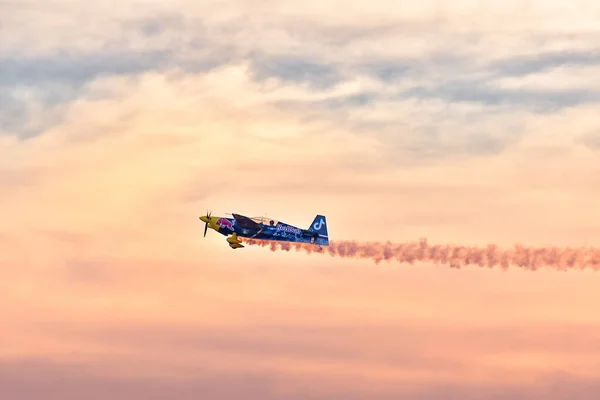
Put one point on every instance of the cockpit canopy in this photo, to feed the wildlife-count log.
(253, 223)
(265, 221)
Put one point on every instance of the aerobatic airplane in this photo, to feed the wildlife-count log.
(266, 229)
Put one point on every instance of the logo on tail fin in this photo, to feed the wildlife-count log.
(318, 225)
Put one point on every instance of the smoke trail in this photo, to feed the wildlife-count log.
(456, 256)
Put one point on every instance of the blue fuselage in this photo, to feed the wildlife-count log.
(280, 231)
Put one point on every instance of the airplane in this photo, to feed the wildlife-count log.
(266, 229)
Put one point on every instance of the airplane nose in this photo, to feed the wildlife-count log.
(204, 219)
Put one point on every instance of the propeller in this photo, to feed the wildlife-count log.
(206, 223)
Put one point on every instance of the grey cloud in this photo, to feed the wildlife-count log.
(294, 69)
(458, 85)
(50, 83)
(453, 79)
(30, 114)
(450, 132)
(454, 89)
(389, 71)
(34, 91)
(331, 104)
(173, 40)
(479, 92)
(540, 62)
(78, 69)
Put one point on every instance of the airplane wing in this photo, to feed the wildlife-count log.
(246, 222)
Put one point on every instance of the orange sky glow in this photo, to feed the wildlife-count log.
(121, 125)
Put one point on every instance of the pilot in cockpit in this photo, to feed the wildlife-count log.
(272, 223)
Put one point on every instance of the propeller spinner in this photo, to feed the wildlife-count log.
(206, 223)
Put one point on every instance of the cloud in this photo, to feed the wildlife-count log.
(144, 373)
(402, 48)
(542, 62)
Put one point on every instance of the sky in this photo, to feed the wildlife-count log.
(463, 122)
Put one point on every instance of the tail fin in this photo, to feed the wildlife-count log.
(319, 225)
